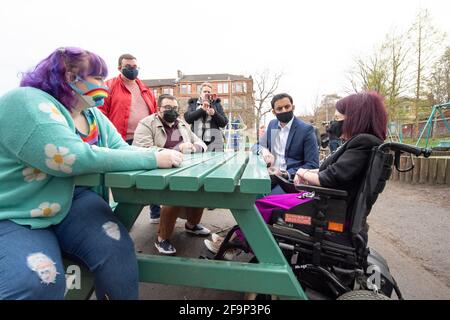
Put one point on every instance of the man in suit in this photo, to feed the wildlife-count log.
(288, 143)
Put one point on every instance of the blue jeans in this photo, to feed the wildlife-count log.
(334, 144)
(30, 259)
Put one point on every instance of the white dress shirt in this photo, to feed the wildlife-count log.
(279, 145)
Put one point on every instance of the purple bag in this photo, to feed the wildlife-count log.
(277, 201)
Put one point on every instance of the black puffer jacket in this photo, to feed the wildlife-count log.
(218, 121)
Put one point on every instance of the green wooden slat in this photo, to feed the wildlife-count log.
(226, 177)
(255, 178)
(89, 180)
(192, 178)
(125, 179)
(159, 179)
(267, 278)
(201, 198)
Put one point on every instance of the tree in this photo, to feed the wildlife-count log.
(266, 86)
(395, 48)
(439, 82)
(370, 73)
(426, 41)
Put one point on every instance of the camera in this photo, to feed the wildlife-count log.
(210, 97)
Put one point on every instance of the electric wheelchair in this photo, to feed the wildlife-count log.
(325, 240)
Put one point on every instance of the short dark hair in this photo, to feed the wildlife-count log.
(165, 96)
(126, 56)
(279, 97)
(364, 112)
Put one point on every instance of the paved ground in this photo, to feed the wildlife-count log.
(409, 226)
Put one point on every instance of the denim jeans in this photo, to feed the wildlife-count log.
(30, 259)
(334, 144)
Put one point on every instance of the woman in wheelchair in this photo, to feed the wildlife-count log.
(362, 121)
(317, 227)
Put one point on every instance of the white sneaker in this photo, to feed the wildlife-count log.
(212, 246)
(230, 254)
(198, 230)
(216, 238)
(215, 246)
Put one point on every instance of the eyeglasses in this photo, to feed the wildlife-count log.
(169, 108)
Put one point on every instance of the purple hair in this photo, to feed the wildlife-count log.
(364, 113)
(50, 74)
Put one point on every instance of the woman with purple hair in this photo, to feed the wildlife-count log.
(362, 124)
(52, 132)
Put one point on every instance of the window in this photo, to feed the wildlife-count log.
(222, 88)
(238, 87)
(245, 86)
(155, 93)
(168, 91)
(185, 89)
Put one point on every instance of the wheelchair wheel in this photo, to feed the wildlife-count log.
(362, 295)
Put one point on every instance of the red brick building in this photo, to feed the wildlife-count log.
(234, 91)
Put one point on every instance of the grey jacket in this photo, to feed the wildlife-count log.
(150, 133)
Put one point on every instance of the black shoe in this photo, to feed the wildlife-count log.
(165, 247)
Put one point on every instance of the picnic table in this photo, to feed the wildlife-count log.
(219, 180)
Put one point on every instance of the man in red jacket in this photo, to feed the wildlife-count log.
(129, 99)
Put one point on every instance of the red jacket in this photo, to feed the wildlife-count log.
(117, 104)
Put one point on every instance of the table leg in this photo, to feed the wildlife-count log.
(263, 244)
(128, 213)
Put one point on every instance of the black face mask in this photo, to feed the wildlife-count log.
(285, 117)
(170, 115)
(336, 127)
(130, 73)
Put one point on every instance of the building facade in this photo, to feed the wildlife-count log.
(234, 91)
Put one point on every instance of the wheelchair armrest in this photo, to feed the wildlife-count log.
(289, 187)
(322, 190)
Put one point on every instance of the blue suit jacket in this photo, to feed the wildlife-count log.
(301, 151)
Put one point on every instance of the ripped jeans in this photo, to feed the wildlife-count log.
(30, 259)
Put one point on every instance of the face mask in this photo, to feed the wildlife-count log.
(336, 127)
(170, 115)
(130, 73)
(94, 96)
(285, 117)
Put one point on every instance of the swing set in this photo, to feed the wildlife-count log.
(429, 125)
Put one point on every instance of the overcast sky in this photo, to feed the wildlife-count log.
(312, 42)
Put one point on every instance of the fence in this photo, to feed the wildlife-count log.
(438, 129)
(434, 170)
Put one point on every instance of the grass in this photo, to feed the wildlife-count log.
(432, 142)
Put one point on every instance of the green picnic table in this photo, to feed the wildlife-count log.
(219, 180)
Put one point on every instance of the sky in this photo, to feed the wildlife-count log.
(313, 43)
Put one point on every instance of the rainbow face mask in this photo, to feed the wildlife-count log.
(94, 96)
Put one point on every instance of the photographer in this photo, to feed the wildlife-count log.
(333, 130)
(206, 116)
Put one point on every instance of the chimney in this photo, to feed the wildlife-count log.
(179, 74)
